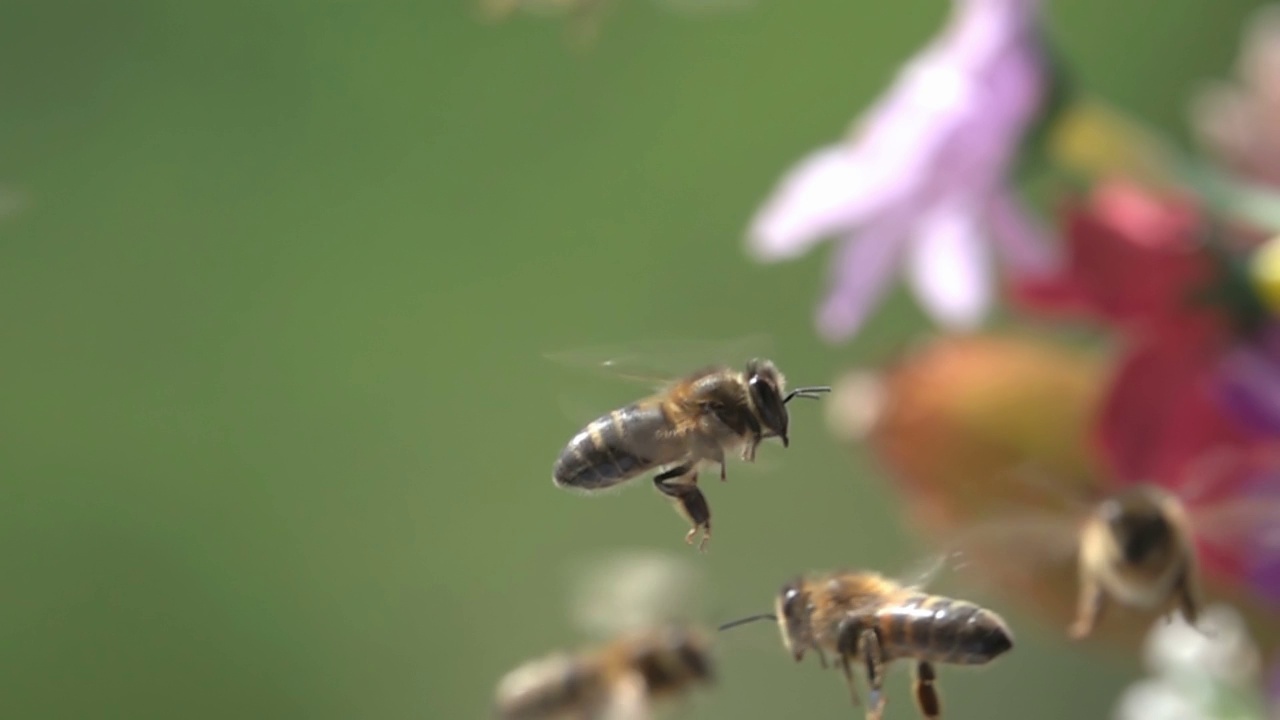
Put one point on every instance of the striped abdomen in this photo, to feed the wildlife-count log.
(614, 448)
(942, 630)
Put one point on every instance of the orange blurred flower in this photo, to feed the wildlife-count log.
(955, 423)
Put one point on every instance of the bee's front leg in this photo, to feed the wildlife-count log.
(847, 634)
(713, 452)
(872, 653)
(1089, 606)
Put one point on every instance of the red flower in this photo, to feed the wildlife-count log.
(1162, 411)
(960, 426)
(1138, 262)
(1135, 261)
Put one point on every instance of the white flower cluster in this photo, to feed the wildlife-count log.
(1209, 672)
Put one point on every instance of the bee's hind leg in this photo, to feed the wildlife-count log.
(926, 694)
(690, 502)
(1188, 602)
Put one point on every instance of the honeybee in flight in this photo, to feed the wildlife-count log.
(1137, 546)
(647, 659)
(698, 419)
(862, 617)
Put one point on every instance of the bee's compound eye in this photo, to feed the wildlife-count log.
(791, 599)
(768, 404)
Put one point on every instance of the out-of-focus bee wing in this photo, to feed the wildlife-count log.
(629, 590)
(660, 363)
(627, 699)
(1037, 489)
(1232, 498)
(1250, 524)
(1019, 545)
(581, 410)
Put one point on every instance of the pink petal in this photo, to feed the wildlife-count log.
(949, 269)
(864, 266)
(1024, 245)
(829, 191)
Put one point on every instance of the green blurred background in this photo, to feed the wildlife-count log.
(277, 428)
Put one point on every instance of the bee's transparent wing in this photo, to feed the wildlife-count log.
(925, 570)
(629, 590)
(581, 408)
(1017, 546)
(1233, 500)
(658, 363)
(1035, 488)
(1249, 524)
(627, 699)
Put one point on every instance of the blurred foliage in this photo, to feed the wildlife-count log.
(277, 431)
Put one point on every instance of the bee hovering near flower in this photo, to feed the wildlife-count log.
(1140, 546)
(698, 419)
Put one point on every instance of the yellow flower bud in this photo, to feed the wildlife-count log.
(1264, 271)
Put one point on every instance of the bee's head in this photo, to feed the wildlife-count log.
(766, 385)
(792, 610)
(679, 655)
(1140, 530)
(694, 651)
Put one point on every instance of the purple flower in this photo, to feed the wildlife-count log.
(922, 180)
(1249, 377)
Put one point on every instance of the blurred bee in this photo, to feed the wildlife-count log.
(1137, 549)
(647, 659)
(700, 418)
(863, 617)
(1136, 546)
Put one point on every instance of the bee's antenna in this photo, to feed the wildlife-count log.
(745, 620)
(806, 392)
